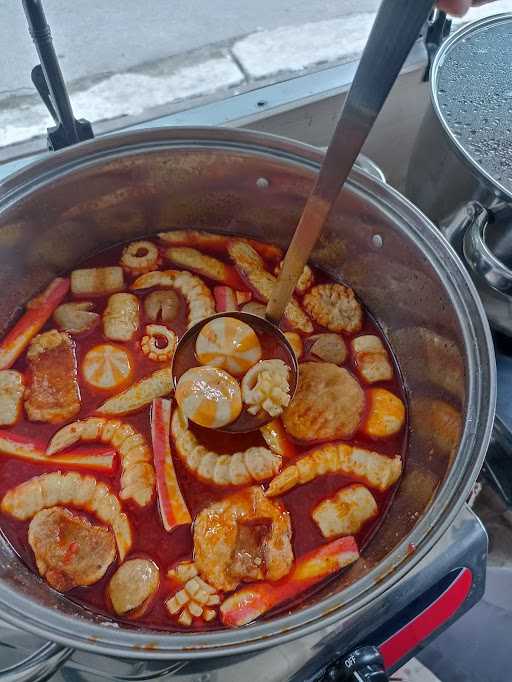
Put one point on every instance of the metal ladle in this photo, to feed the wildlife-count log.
(395, 30)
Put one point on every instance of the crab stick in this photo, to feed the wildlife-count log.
(22, 447)
(252, 601)
(173, 508)
(225, 300)
(39, 310)
(277, 440)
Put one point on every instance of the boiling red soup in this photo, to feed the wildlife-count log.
(131, 498)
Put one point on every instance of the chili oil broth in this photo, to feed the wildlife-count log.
(150, 540)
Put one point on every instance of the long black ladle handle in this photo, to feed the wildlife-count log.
(395, 30)
(50, 83)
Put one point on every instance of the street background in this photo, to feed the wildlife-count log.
(125, 57)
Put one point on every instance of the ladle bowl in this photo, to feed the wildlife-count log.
(185, 358)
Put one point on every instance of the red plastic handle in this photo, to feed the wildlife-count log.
(428, 621)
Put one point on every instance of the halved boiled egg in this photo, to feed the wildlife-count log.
(208, 396)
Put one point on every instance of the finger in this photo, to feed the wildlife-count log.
(456, 7)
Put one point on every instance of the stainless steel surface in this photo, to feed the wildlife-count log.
(245, 422)
(38, 666)
(460, 166)
(394, 32)
(482, 239)
(370, 167)
(463, 545)
(444, 172)
(483, 261)
(56, 212)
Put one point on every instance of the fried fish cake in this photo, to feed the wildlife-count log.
(327, 405)
(69, 550)
(52, 393)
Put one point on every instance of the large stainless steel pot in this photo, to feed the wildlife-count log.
(70, 204)
(460, 171)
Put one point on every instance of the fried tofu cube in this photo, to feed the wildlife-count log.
(97, 281)
(386, 414)
(346, 512)
(11, 396)
(372, 359)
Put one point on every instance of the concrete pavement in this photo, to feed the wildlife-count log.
(102, 37)
(159, 59)
(122, 58)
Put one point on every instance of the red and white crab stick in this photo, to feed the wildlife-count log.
(173, 509)
(225, 299)
(252, 601)
(21, 447)
(39, 310)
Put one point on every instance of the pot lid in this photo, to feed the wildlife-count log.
(472, 95)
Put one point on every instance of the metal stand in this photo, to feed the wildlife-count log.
(49, 82)
(438, 29)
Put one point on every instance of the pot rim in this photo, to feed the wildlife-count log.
(110, 639)
(479, 171)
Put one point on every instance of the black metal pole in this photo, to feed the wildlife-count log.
(42, 37)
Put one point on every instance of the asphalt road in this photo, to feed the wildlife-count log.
(101, 37)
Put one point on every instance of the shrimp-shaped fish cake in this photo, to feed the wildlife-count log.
(377, 471)
(228, 343)
(48, 490)
(216, 243)
(242, 468)
(200, 300)
(138, 474)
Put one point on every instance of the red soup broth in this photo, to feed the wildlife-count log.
(150, 540)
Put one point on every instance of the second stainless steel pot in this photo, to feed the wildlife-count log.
(460, 173)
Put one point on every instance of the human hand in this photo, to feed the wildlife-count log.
(460, 7)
